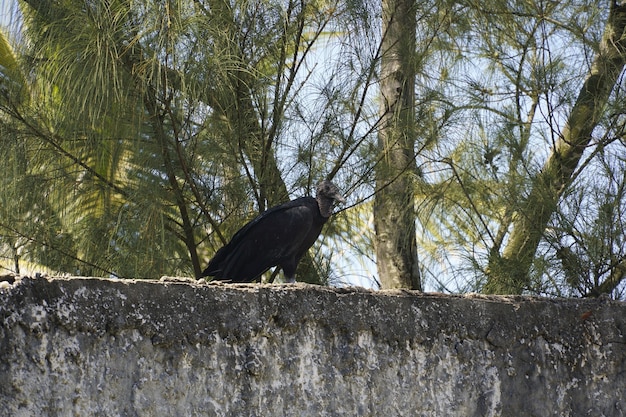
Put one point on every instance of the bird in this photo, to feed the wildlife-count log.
(280, 236)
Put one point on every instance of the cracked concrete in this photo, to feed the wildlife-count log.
(87, 346)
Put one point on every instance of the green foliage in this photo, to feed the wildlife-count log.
(151, 126)
(137, 137)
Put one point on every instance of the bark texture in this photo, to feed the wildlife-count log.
(394, 211)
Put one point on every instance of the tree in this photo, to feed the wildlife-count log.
(394, 217)
(138, 137)
(493, 188)
(509, 272)
(155, 124)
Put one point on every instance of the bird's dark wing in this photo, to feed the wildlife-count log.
(267, 240)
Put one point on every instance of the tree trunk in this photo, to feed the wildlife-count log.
(394, 213)
(509, 273)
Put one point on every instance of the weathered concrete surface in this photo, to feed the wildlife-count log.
(80, 346)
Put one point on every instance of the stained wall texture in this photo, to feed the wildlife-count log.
(86, 346)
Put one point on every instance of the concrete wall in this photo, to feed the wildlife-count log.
(80, 346)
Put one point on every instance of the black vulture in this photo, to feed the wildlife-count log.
(279, 236)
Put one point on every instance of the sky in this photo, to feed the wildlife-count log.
(6, 6)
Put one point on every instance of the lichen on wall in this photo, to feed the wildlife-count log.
(86, 346)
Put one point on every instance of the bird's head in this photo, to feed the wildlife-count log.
(327, 194)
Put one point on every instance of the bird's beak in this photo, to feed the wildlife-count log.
(339, 198)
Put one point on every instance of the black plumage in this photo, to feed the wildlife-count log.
(279, 236)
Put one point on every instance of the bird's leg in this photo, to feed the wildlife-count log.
(274, 275)
(289, 271)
